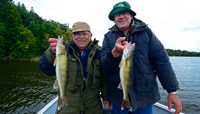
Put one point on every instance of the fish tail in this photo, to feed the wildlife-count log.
(62, 101)
(125, 103)
(65, 101)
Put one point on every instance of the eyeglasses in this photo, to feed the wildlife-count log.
(78, 34)
(121, 13)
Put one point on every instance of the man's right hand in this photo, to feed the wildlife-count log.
(53, 43)
(119, 47)
(107, 104)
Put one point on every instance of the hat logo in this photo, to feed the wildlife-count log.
(120, 5)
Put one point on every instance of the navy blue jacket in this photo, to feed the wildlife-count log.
(150, 59)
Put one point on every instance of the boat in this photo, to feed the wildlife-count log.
(158, 108)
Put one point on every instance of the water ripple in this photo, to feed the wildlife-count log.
(27, 89)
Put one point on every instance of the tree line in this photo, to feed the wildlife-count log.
(24, 34)
(182, 53)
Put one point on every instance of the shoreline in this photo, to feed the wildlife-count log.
(21, 59)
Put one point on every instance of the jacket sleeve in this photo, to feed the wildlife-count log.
(46, 63)
(162, 66)
(104, 85)
(108, 62)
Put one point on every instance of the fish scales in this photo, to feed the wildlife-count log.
(125, 73)
(61, 63)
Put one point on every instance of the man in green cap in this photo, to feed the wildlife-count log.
(150, 60)
(86, 79)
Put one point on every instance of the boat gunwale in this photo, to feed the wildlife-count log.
(158, 105)
(44, 109)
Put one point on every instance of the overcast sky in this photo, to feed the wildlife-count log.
(176, 23)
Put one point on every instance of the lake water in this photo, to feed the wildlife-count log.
(25, 89)
(187, 70)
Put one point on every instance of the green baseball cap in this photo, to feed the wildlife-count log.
(120, 7)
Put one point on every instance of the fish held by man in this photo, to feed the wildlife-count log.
(61, 63)
(125, 73)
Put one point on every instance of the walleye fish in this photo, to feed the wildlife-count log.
(125, 71)
(61, 63)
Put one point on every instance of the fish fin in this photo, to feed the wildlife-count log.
(65, 101)
(120, 64)
(55, 85)
(125, 103)
(62, 101)
(120, 85)
(55, 61)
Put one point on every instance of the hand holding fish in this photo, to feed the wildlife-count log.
(53, 43)
(119, 47)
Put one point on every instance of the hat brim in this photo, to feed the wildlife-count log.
(81, 30)
(119, 9)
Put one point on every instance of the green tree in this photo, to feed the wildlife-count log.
(25, 44)
(45, 43)
(64, 27)
(28, 16)
(23, 13)
(67, 34)
(2, 41)
(39, 33)
(23, 33)
(4, 5)
(35, 28)
(19, 41)
(181, 53)
(49, 27)
(58, 30)
(12, 23)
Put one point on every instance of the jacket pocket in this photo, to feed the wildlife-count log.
(145, 79)
(96, 74)
(144, 69)
(72, 73)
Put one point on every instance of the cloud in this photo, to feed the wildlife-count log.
(194, 29)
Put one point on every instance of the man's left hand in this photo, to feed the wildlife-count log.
(173, 99)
